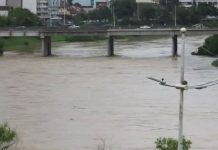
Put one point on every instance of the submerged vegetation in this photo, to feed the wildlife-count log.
(8, 137)
(171, 144)
(209, 48)
(215, 63)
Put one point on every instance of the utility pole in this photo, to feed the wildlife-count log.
(64, 12)
(113, 12)
(175, 17)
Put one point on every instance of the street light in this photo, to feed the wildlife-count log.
(182, 87)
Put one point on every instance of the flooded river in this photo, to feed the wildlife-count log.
(82, 100)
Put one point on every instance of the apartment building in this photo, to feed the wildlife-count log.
(42, 9)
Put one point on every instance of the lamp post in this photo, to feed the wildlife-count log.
(182, 87)
(182, 82)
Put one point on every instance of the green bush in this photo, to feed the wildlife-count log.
(171, 144)
(215, 63)
(7, 136)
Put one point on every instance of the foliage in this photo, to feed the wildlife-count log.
(101, 14)
(171, 144)
(124, 8)
(210, 47)
(215, 63)
(7, 136)
(23, 17)
(207, 10)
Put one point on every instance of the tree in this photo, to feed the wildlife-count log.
(207, 10)
(125, 8)
(23, 17)
(100, 14)
(7, 137)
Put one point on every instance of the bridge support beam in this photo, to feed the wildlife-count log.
(175, 46)
(110, 46)
(46, 45)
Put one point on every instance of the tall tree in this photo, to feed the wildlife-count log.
(125, 8)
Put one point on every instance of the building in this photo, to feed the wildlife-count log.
(213, 2)
(14, 3)
(92, 3)
(84, 3)
(101, 3)
(189, 3)
(3, 8)
(42, 9)
(31, 5)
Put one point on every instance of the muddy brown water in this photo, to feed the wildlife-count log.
(82, 100)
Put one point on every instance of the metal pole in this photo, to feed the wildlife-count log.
(180, 138)
(114, 17)
(64, 11)
(175, 16)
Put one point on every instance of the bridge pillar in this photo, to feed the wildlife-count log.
(175, 46)
(110, 46)
(46, 45)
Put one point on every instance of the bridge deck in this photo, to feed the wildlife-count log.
(10, 32)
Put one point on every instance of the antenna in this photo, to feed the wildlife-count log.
(182, 87)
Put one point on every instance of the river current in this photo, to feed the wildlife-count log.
(80, 99)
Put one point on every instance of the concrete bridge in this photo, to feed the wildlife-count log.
(46, 33)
